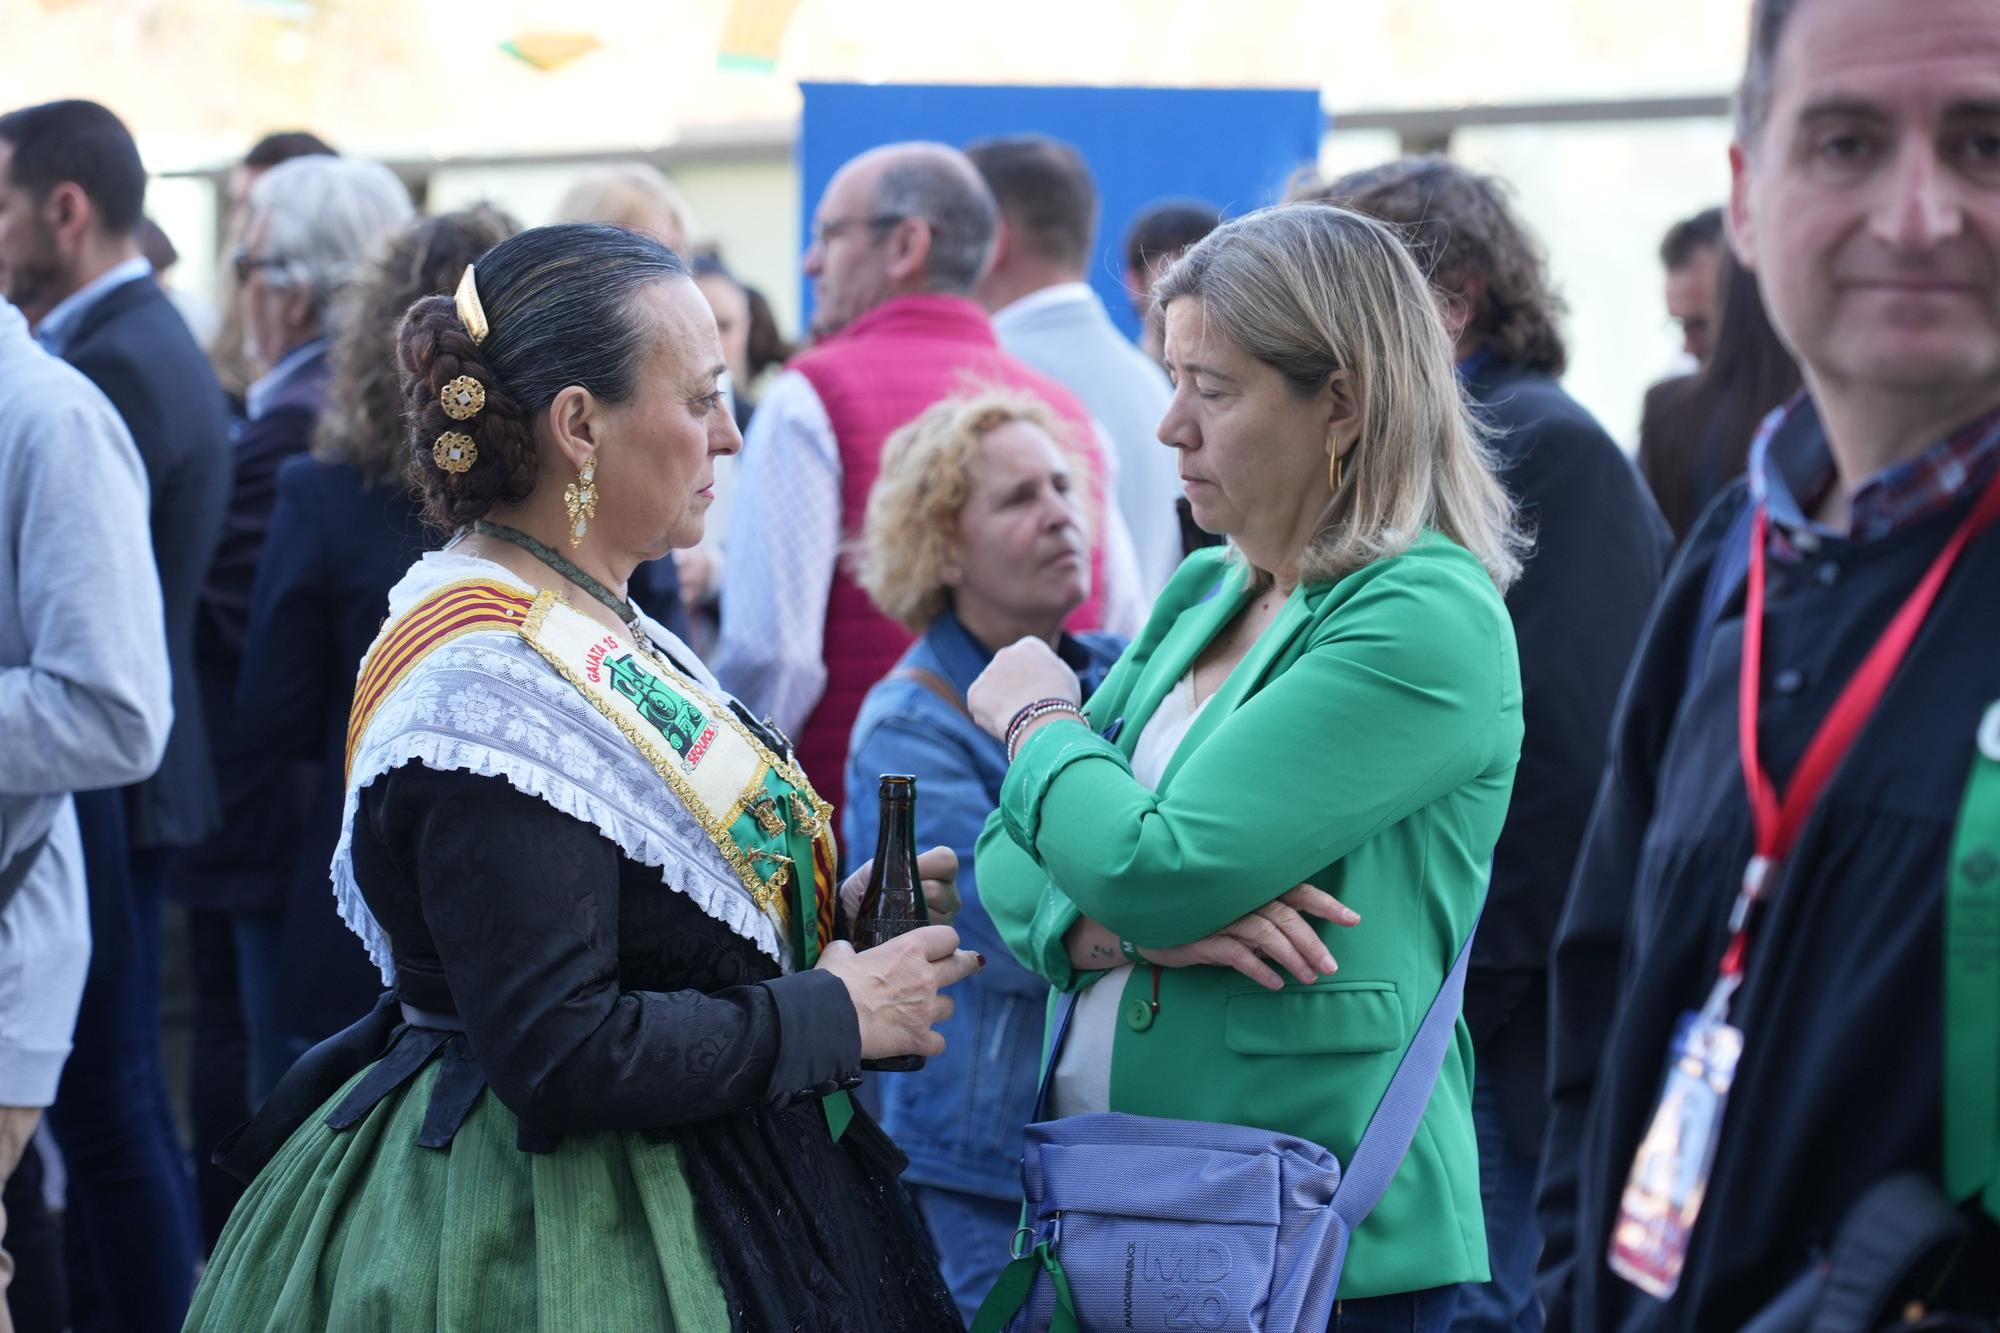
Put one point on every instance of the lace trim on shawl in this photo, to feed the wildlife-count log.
(488, 704)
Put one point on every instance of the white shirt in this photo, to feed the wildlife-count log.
(1081, 1084)
(1053, 296)
(784, 546)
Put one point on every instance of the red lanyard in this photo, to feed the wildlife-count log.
(1779, 819)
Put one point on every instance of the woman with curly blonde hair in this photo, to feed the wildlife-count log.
(974, 538)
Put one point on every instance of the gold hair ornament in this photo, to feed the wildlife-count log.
(580, 499)
(470, 312)
(455, 452)
(463, 398)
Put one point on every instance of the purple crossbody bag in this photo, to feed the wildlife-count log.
(1138, 1222)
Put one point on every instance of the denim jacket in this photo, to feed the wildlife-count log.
(960, 1117)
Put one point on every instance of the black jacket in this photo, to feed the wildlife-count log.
(1839, 1083)
(321, 593)
(136, 347)
(246, 865)
(1600, 551)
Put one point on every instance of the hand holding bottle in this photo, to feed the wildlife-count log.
(895, 988)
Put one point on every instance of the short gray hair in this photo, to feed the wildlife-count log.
(324, 217)
(951, 197)
(1753, 95)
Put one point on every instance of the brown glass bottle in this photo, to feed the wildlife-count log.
(894, 902)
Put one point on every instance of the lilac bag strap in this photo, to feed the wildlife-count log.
(1064, 1013)
(1393, 1127)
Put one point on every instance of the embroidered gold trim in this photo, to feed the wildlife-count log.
(766, 894)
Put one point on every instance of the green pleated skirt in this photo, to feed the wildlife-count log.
(366, 1230)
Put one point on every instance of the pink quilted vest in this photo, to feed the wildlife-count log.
(874, 376)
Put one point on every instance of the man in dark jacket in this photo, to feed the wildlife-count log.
(311, 224)
(1863, 996)
(71, 192)
(1600, 550)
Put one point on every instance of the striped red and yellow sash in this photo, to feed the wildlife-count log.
(451, 611)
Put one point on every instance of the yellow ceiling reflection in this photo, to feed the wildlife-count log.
(198, 78)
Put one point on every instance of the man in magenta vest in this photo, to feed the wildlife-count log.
(901, 237)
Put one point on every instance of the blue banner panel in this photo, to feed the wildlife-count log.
(1232, 147)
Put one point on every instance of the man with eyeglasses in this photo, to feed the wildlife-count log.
(72, 189)
(900, 240)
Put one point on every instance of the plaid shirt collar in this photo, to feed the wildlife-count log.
(1791, 469)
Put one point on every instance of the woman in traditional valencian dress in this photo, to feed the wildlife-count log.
(607, 1090)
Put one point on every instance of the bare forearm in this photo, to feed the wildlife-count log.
(1092, 947)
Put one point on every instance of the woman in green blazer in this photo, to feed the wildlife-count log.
(1314, 737)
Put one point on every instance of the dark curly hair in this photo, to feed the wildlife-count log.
(558, 304)
(363, 422)
(1459, 225)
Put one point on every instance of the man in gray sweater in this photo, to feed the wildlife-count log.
(85, 697)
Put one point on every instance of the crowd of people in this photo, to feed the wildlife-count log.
(1393, 861)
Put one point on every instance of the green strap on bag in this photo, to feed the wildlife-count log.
(1010, 1293)
(1972, 984)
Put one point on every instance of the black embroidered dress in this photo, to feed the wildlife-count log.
(587, 1102)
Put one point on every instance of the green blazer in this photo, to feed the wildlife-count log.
(1367, 745)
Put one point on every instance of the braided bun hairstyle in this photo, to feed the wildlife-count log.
(559, 304)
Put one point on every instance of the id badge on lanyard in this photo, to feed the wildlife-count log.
(1670, 1171)
(1669, 1176)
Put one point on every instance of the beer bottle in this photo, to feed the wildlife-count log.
(894, 902)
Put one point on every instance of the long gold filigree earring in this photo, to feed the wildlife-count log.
(580, 499)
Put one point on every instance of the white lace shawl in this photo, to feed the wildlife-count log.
(488, 703)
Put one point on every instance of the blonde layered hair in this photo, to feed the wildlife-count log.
(909, 534)
(1310, 290)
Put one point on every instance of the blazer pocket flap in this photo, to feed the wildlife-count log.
(1330, 1018)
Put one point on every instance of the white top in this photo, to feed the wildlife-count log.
(784, 544)
(1082, 1082)
(1054, 296)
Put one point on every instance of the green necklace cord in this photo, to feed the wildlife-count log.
(619, 606)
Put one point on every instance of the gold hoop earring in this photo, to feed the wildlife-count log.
(1333, 471)
(580, 499)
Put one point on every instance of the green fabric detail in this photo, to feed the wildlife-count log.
(1017, 1280)
(839, 1108)
(364, 1230)
(1042, 757)
(1972, 985)
(680, 721)
(1328, 1018)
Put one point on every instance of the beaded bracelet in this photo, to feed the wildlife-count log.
(1033, 712)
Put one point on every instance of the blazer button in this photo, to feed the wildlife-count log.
(1138, 1015)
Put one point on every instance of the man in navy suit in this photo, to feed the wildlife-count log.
(71, 192)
